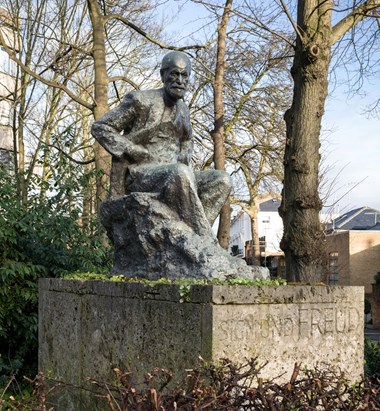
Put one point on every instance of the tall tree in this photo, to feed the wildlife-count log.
(218, 131)
(258, 159)
(254, 86)
(101, 82)
(303, 238)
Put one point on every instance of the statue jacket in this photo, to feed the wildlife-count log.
(143, 129)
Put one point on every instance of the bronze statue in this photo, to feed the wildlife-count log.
(150, 139)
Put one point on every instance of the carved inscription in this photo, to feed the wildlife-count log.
(249, 326)
(327, 320)
(296, 323)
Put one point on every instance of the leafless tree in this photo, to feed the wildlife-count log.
(319, 26)
(255, 87)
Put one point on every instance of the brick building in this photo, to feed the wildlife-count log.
(353, 247)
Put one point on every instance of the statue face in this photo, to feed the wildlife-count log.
(176, 79)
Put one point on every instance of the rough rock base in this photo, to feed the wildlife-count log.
(151, 242)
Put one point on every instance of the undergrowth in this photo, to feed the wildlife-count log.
(217, 387)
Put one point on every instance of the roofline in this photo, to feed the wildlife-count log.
(359, 210)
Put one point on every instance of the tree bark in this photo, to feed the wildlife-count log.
(102, 157)
(253, 215)
(218, 131)
(303, 240)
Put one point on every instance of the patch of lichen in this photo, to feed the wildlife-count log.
(179, 281)
(308, 283)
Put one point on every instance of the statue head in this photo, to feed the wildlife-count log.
(175, 73)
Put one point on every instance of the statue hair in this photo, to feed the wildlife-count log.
(173, 56)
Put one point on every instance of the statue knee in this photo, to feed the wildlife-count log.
(183, 173)
(224, 179)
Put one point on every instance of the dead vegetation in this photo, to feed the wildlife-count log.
(225, 386)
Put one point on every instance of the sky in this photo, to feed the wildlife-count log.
(352, 147)
(350, 138)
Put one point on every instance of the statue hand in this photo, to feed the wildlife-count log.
(136, 153)
(184, 158)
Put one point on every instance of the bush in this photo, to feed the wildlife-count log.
(18, 317)
(42, 238)
(220, 387)
(372, 358)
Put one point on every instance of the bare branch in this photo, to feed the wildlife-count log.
(71, 158)
(126, 80)
(148, 37)
(12, 56)
(352, 19)
(292, 22)
(263, 26)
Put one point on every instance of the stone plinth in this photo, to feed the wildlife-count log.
(88, 328)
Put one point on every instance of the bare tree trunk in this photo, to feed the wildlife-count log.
(46, 132)
(218, 131)
(255, 236)
(102, 157)
(23, 190)
(303, 238)
(88, 190)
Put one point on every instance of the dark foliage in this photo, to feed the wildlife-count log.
(372, 358)
(42, 238)
(224, 387)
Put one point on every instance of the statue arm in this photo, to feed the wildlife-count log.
(186, 147)
(108, 131)
(186, 152)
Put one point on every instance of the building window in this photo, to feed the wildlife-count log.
(333, 268)
(262, 244)
(7, 65)
(4, 60)
(6, 113)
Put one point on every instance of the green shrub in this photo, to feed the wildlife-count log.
(372, 358)
(18, 316)
(42, 238)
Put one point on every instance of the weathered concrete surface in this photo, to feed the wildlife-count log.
(88, 328)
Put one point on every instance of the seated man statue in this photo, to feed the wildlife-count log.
(149, 138)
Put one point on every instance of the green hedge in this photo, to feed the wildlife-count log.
(42, 238)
